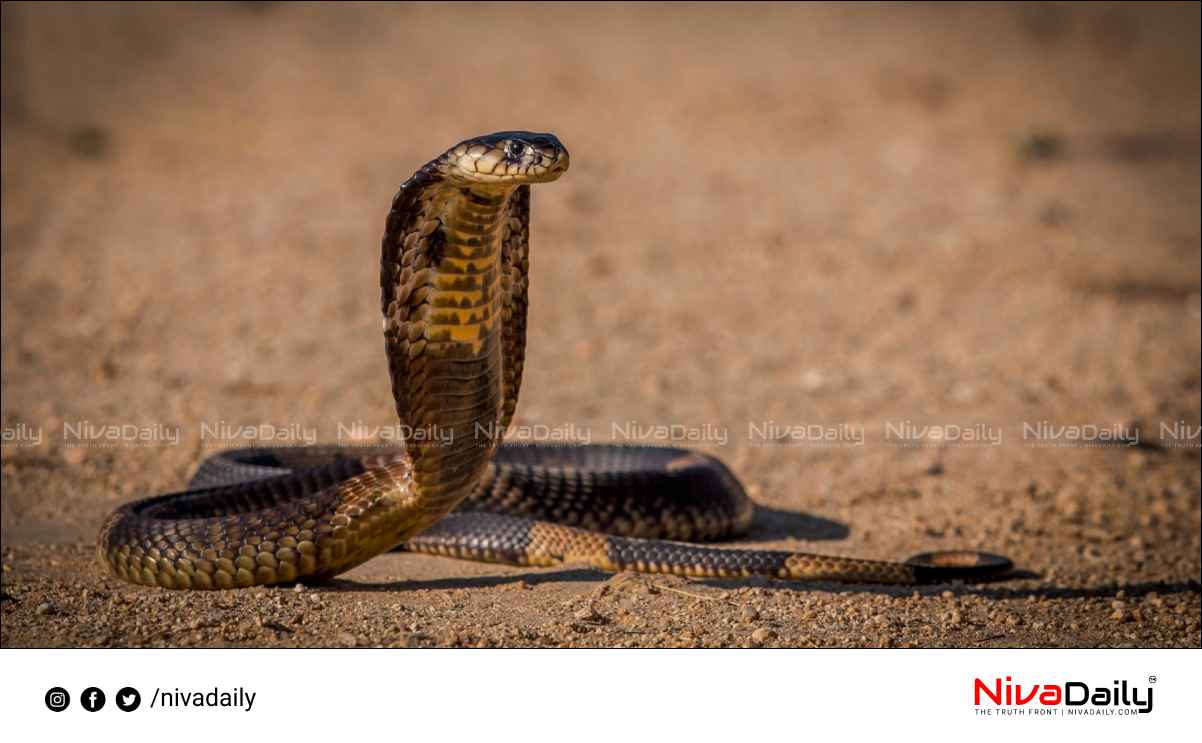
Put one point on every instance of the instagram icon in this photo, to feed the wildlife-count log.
(57, 699)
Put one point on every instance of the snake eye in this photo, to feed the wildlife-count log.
(515, 149)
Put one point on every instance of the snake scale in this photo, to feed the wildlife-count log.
(454, 279)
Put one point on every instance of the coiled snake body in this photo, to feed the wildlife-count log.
(453, 276)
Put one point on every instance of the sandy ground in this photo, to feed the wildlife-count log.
(984, 220)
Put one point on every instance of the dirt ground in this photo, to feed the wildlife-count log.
(981, 220)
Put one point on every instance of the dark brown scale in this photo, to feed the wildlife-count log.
(641, 491)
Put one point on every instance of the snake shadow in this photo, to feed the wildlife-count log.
(993, 589)
(774, 523)
(767, 524)
(519, 576)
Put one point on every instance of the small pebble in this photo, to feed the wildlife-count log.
(761, 636)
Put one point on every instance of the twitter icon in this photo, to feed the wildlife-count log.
(128, 699)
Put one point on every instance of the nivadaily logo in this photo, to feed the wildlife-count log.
(1061, 698)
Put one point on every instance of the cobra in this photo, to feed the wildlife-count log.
(454, 275)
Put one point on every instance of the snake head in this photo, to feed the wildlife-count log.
(506, 159)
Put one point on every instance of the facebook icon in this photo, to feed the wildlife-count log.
(92, 699)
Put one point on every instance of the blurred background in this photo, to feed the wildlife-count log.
(838, 214)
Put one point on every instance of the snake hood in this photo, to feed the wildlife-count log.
(504, 159)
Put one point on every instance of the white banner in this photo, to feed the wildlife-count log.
(580, 695)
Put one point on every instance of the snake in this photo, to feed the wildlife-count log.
(454, 279)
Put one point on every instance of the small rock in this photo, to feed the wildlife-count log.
(761, 636)
(963, 393)
(813, 380)
(1054, 215)
(45, 608)
(90, 142)
(299, 588)
(1042, 146)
